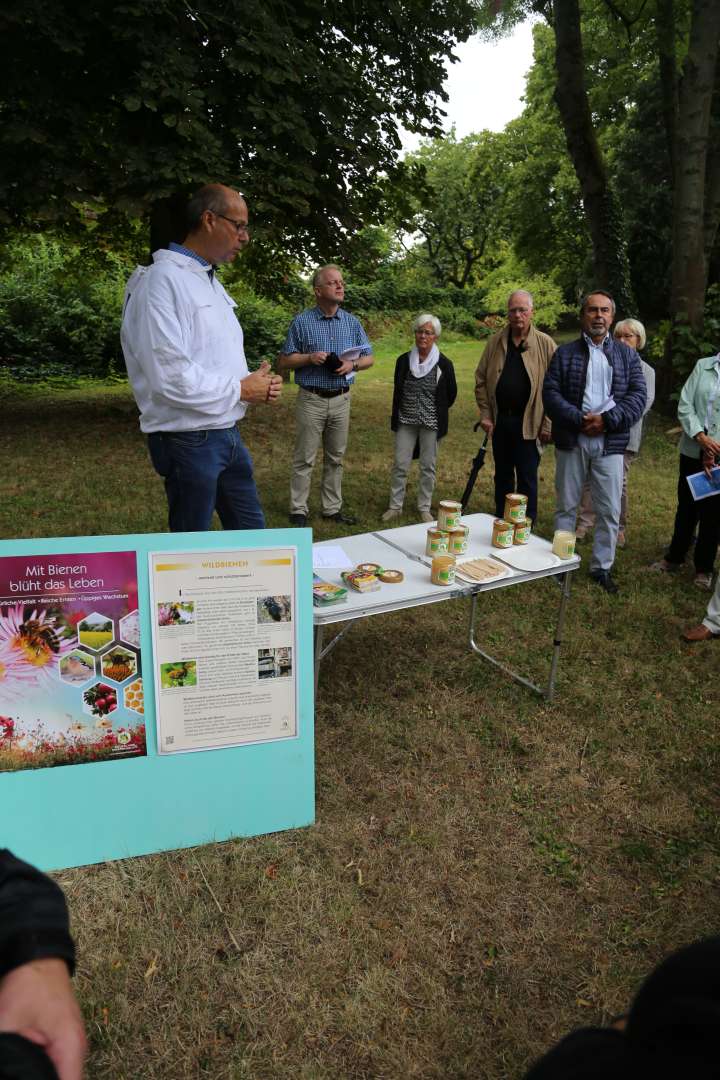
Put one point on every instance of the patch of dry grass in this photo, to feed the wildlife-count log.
(487, 870)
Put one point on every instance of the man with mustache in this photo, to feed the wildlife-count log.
(594, 392)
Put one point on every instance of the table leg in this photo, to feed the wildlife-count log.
(549, 690)
(559, 627)
(318, 654)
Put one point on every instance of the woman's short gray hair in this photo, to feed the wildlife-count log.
(425, 318)
(635, 327)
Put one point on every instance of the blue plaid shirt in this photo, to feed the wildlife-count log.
(313, 331)
(172, 246)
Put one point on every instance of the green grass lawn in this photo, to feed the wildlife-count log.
(487, 870)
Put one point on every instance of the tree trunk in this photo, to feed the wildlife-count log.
(602, 208)
(666, 36)
(696, 197)
(712, 176)
(689, 278)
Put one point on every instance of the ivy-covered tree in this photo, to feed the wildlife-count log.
(675, 44)
(120, 107)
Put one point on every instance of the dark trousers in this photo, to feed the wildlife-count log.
(516, 463)
(206, 471)
(705, 514)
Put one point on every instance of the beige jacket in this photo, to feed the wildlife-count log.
(536, 357)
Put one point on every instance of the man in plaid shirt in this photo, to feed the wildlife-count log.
(323, 402)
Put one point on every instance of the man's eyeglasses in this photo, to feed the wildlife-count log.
(240, 226)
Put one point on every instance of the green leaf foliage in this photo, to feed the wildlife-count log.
(60, 306)
(296, 104)
(455, 203)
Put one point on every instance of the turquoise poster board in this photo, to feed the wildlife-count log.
(72, 815)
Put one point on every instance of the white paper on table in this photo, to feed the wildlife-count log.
(330, 557)
(526, 559)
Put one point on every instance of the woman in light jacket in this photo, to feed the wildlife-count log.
(699, 415)
(424, 391)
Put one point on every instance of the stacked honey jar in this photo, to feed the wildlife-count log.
(514, 526)
(445, 541)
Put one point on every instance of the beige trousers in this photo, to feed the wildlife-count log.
(405, 438)
(319, 420)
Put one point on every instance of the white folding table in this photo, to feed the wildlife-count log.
(404, 549)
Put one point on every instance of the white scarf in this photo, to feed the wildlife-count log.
(420, 368)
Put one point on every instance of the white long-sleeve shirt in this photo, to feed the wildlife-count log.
(183, 346)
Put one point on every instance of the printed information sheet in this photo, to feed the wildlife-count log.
(70, 665)
(224, 637)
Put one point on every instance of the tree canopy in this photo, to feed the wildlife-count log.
(637, 88)
(121, 106)
(456, 203)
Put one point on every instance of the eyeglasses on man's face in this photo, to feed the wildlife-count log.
(240, 226)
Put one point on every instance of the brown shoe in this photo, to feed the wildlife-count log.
(699, 633)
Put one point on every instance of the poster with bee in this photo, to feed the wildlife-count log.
(224, 647)
(70, 666)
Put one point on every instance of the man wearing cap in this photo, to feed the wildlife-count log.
(508, 391)
(313, 349)
(185, 359)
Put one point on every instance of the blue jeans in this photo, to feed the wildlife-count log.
(206, 471)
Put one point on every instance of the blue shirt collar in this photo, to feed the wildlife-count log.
(180, 250)
(320, 314)
(596, 345)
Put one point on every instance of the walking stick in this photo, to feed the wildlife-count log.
(478, 462)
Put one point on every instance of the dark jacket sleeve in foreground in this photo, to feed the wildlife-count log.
(33, 917)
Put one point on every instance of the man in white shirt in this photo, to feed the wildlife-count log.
(186, 363)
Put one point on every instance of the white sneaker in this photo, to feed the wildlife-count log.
(425, 515)
(390, 514)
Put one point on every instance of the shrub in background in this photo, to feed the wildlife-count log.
(547, 295)
(265, 324)
(60, 307)
(674, 350)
